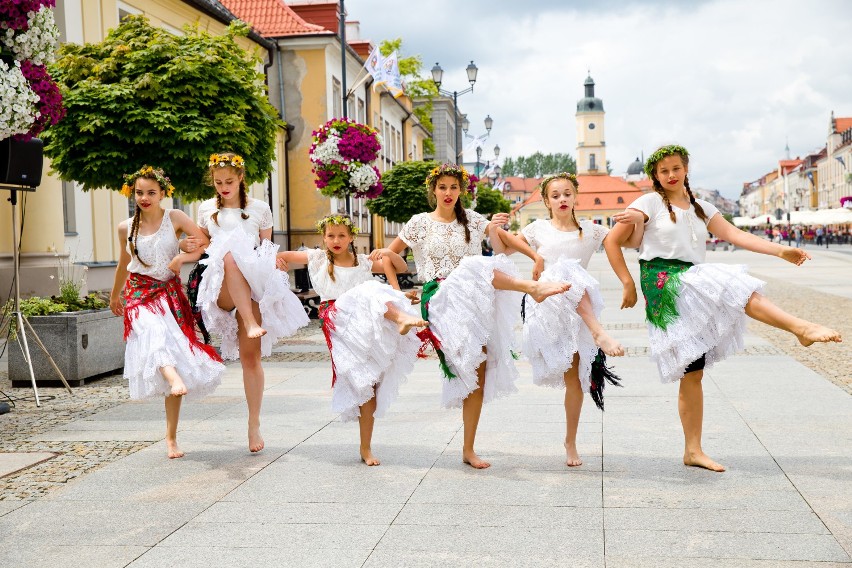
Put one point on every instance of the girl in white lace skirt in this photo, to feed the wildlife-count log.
(563, 339)
(365, 323)
(241, 273)
(471, 301)
(164, 356)
(696, 311)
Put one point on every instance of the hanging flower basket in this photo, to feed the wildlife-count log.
(343, 153)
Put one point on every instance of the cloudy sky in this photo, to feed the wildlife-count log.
(732, 80)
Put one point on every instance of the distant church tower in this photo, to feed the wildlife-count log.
(591, 147)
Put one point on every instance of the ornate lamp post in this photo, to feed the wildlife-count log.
(437, 78)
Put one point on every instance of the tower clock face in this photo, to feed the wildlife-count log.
(591, 126)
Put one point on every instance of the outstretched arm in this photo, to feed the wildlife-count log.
(723, 229)
(613, 242)
(636, 219)
(120, 272)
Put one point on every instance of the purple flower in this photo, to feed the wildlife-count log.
(50, 99)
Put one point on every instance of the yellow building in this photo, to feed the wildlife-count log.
(60, 222)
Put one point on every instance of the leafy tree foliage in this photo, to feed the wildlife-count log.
(146, 96)
(405, 192)
(490, 200)
(538, 165)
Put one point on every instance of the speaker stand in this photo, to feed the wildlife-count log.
(21, 322)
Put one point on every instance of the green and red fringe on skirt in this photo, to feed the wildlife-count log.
(660, 281)
(142, 291)
(326, 313)
(426, 336)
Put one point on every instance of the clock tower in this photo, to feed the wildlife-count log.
(591, 147)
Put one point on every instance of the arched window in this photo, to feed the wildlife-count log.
(597, 200)
(592, 165)
(620, 199)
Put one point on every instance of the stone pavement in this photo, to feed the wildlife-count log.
(784, 431)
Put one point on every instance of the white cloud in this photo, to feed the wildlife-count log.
(732, 80)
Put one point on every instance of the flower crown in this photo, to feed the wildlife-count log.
(561, 175)
(336, 220)
(661, 153)
(221, 160)
(159, 175)
(450, 170)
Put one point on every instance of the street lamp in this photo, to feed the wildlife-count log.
(489, 124)
(437, 78)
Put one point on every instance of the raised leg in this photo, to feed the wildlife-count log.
(172, 416)
(471, 410)
(537, 290)
(573, 406)
(365, 424)
(762, 309)
(602, 339)
(403, 320)
(253, 380)
(690, 406)
(238, 294)
(173, 378)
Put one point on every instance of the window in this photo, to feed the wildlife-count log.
(597, 200)
(592, 165)
(620, 199)
(68, 209)
(351, 108)
(362, 111)
(336, 99)
(124, 10)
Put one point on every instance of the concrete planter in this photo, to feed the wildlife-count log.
(83, 344)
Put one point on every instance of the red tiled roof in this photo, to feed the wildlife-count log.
(843, 124)
(325, 14)
(362, 47)
(788, 166)
(271, 18)
(607, 189)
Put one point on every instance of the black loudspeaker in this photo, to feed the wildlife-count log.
(21, 162)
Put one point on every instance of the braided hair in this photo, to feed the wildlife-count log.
(134, 236)
(237, 165)
(651, 170)
(463, 178)
(575, 187)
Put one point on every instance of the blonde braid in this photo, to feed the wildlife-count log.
(215, 215)
(698, 210)
(330, 257)
(134, 236)
(662, 193)
(579, 227)
(243, 199)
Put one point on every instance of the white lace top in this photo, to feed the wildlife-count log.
(260, 217)
(684, 240)
(157, 250)
(439, 247)
(553, 244)
(344, 277)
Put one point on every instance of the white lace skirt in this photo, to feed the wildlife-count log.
(554, 332)
(467, 314)
(370, 356)
(280, 310)
(156, 341)
(712, 320)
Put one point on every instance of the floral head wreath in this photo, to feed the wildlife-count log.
(661, 153)
(336, 220)
(159, 175)
(450, 170)
(561, 175)
(222, 160)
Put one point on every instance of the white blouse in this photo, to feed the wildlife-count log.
(345, 277)
(260, 217)
(554, 245)
(439, 247)
(157, 250)
(684, 240)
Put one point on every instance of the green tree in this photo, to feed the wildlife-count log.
(490, 200)
(147, 96)
(538, 164)
(416, 87)
(405, 192)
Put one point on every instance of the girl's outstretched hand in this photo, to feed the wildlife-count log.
(628, 297)
(281, 264)
(499, 219)
(794, 255)
(538, 267)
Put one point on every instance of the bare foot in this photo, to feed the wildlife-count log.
(542, 290)
(471, 459)
(174, 450)
(702, 460)
(254, 331)
(813, 333)
(572, 458)
(609, 345)
(255, 439)
(368, 458)
(178, 388)
(406, 322)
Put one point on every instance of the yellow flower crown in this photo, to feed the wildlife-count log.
(449, 170)
(221, 160)
(159, 175)
(336, 220)
(661, 153)
(561, 175)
